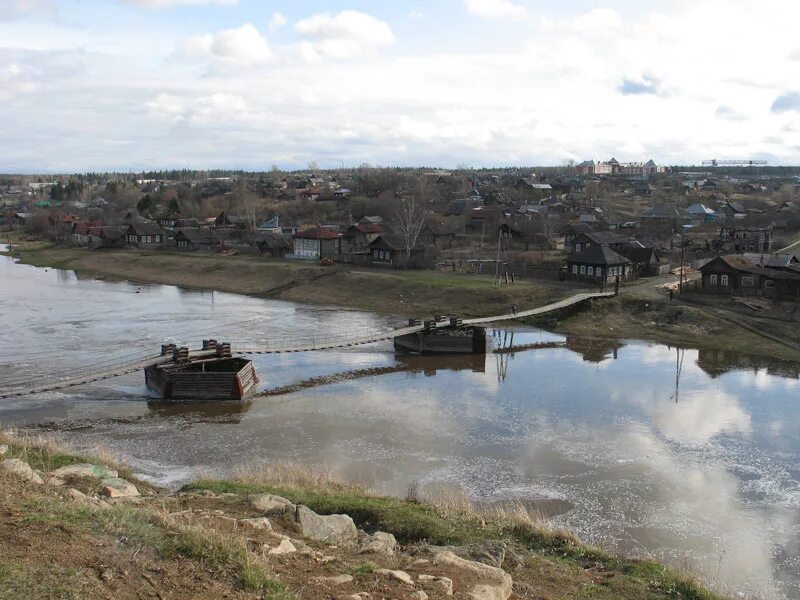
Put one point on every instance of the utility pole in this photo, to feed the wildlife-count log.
(683, 258)
(497, 262)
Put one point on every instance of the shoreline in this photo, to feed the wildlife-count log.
(631, 316)
(91, 529)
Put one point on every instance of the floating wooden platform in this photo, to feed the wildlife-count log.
(462, 340)
(203, 380)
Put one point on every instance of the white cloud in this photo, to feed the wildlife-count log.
(277, 21)
(343, 35)
(244, 46)
(158, 4)
(496, 9)
(12, 9)
(213, 109)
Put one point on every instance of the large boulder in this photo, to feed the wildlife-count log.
(285, 547)
(21, 469)
(400, 576)
(493, 583)
(59, 476)
(379, 542)
(330, 529)
(443, 584)
(255, 525)
(270, 505)
(114, 487)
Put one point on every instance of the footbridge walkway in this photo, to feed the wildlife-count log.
(27, 384)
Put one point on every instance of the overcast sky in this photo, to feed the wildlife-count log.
(135, 84)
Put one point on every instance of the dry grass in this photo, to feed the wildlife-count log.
(293, 475)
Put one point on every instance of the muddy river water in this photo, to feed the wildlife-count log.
(692, 457)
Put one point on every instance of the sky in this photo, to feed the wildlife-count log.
(129, 85)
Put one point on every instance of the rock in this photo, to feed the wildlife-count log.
(257, 524)
(270, 504)
(331, 529)
(418, 595)
(419, 563)
(493, 582)
(378, 543)
(4, 449)
(114, 487)
(82, 498)
(337, 580)
(401, 576)
(21, 469)
(107, 575)
(285, 547)
(444, 584)
(59, 476)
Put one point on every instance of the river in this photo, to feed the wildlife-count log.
(691, 457)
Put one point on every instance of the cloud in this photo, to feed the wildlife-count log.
(344, 35)
(790, 101)
(277, 21)
(496, 9)
(644, 85)
(213, 109)
(13, 9)
(729, 114)
(244, 46)
(159, 4)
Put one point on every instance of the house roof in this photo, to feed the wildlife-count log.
(700, 209)
(598, 255)
(664, 211)
(140, 228)
(605, 237)
(639, 254)
(392, 242)
(317, 233)
(112, 233)
(363, 228)
(773, 261)
(195, 235)
(462, 205)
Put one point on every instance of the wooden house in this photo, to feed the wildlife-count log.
(144, 235)
(195, 238)
(357, 238)
(389, 251)
(316, 243)
(599, 264)
(106, 237)
(735, 274)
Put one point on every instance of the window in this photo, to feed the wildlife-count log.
(769, 284)
(583, 269)
(712, 279)
(723, 280)
(577, 247)
(591, 270)
(574, 269)
(748, 281)
(374, 254)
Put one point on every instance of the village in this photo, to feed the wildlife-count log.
(722, 230)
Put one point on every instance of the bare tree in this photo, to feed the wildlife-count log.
(247, 201)
(409, 219)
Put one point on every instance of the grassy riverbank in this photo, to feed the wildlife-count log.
(56, 543)
(637, 314)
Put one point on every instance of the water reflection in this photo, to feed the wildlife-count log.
(678, 454)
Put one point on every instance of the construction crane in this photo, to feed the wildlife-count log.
(733, 163)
